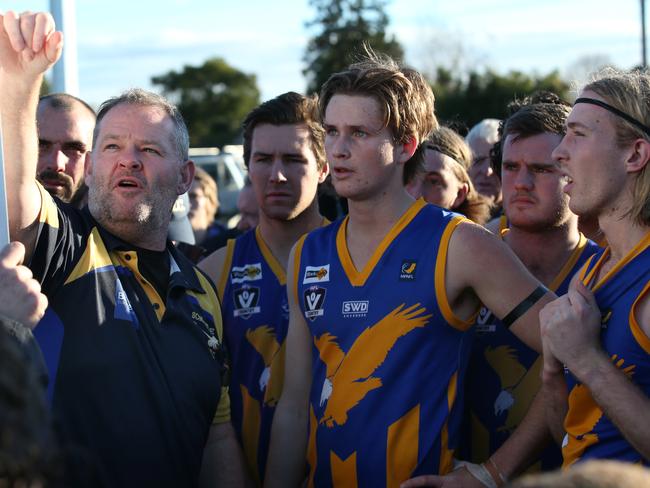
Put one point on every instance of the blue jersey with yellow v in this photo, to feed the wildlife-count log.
(504, 375)
(590, 434)
(255, 317)
(388, 353)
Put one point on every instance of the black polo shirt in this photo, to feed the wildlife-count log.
(140, 375)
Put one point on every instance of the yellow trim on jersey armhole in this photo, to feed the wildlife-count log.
(570, 263)
(503, 224)
(441, 291)
(273, 263)
(359, 278)
(638, 333)
(296, 265)
(48, 213)
(222, 415)
(225, 269)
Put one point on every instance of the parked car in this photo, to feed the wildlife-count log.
(228, 170)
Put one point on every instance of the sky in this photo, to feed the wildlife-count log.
(122, 44)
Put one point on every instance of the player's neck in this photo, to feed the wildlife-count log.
(371, 220)
(545, 252)
(622, 234)
(281, 235)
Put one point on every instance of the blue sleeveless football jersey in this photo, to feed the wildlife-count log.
(256, 316)
(388, 353)
(590, 434)
(503, 377)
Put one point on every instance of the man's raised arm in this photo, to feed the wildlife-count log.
(29, 46)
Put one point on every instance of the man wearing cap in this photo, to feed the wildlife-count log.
(141, 386)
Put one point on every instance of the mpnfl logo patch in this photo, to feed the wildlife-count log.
(248, 272)
(355, 308)
(316, 274)
(246, 300)
(314, 297)
(407, 271)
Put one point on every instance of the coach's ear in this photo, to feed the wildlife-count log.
(639, 156)
(407, 148)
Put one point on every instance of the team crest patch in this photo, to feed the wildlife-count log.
(248, 272)
(485, 321)
(355, 308)
(314, 299)
(407, 271)
(247, 299)
(316, 274)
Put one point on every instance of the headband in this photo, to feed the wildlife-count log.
(615, 111)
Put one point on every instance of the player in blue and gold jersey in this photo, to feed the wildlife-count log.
(283, 150)
(141, 386)
(504, 373)
(598, 334)
(381, 301)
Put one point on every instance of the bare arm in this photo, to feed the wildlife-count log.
(482, 268)
(571, 328)
(29, 45)
(223, 464)
(287, 450)
(526, 443)
(213, 266)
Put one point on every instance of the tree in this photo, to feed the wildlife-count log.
(214, 98)
(344, 26)
(484, 95)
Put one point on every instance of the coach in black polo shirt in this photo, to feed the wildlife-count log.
(142, 368)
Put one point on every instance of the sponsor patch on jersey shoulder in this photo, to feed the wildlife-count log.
(407, 271)
(248, 272)
(355, 308)
(316, 274)
(314, 298)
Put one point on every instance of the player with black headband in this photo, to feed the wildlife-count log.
(597, 337)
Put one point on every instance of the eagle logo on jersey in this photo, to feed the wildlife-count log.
(264, 341)
(518, 384)
(348, 377)
(584, 415)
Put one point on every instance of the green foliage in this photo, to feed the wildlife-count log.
(480, 96)
(344, 26)
(46, 87)
(214, 98)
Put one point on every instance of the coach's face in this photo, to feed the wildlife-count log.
(136, 172)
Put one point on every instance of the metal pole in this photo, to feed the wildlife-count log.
(65, 74)
(644, 60)
(4, 214)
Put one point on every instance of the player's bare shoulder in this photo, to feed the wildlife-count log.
(213, 264)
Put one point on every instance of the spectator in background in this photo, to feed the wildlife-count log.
(443, 178)
(249, 210)
(480, 139)
(65, 137)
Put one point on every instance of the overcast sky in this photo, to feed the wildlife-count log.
(122, 43)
